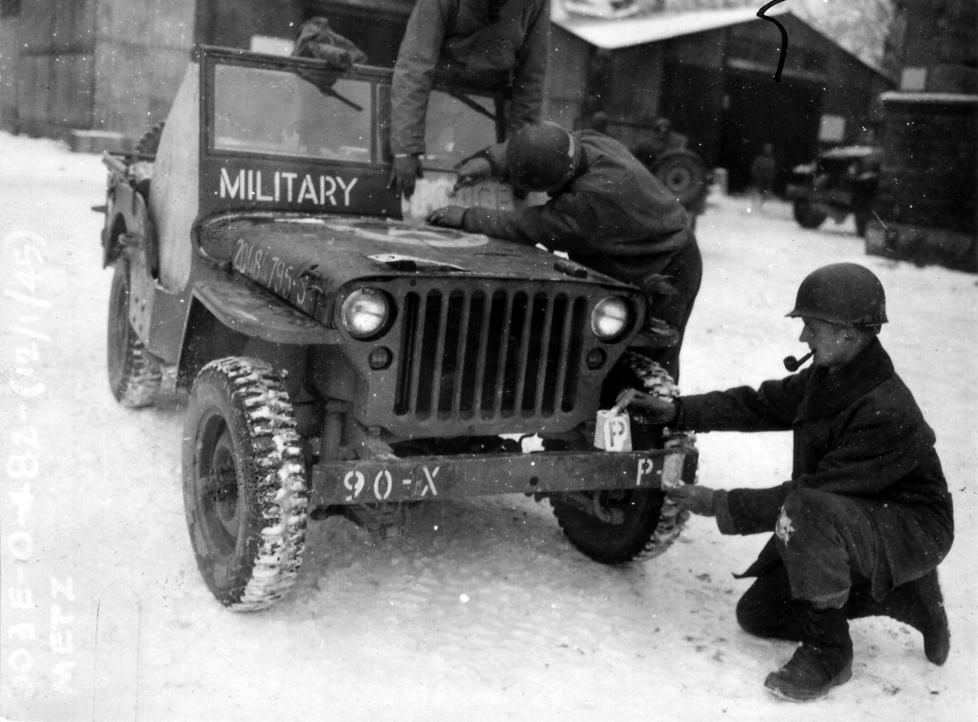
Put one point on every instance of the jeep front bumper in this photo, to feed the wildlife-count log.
(425, 478)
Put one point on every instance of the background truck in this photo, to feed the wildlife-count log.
(839, 182)
(340, 357)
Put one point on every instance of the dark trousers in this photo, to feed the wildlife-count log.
(825, 541)
(831, 555)
(671, 289)
(674, 305)
(768, 610)
(685, 272)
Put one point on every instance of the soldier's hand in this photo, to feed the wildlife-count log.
(447, 216)
(698, 499)
(471, 171)
(656, 409)
(405, 170)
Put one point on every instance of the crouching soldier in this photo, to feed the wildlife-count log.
(865, 519)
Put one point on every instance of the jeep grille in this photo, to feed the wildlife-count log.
(489, 353)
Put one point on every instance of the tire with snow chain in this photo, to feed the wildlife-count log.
(149, 142)
(145, 149)
(644, 521)
(244, 483)
(134, 373)
(683, 172)
(807, 215)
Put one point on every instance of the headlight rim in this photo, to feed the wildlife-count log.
(345, 313)
(627, 318)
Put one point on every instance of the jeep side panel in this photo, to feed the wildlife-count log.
(173, 200)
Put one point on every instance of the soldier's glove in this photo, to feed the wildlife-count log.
(659, 284)
(472, 170)
(698, 499)
(447, 216)
(655, 409)
(405, 170)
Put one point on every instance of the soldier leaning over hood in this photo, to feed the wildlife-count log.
(605, 210)
(867, 516)
(492, 44)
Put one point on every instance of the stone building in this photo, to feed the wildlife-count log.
(712, 73)
(927, 205)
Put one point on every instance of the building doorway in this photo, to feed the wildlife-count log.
(758, 110)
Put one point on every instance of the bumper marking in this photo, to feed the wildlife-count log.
(447, 477)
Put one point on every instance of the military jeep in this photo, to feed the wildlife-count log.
(338, 356)
(838, 182)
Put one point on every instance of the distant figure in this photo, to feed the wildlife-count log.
(763, 172)
(486, 43)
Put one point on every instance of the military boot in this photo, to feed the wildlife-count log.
(921, 605)
(823, 660)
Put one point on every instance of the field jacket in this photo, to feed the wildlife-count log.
(461, 39)
(857, 432)
(613, 216)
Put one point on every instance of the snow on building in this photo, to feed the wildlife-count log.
(712, 73)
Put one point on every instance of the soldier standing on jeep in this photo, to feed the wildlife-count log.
(485, 43)
(865, 519)
(606, 210)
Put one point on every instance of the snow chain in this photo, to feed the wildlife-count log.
(281, 481)
(656, 380)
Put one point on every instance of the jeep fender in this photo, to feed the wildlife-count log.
(253, 311)
(229, 318)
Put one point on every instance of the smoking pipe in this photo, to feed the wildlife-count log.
(792, 364)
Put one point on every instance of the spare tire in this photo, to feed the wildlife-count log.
(149, 142)
(683, 172)
(145, 151)
(134, 373)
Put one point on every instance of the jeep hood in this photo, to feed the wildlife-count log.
(282, 251)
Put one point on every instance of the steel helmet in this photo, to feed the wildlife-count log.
(842, 293)
(541, 157)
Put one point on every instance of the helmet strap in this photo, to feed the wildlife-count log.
(575, 155)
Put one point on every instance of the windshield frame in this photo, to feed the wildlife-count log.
(213, 58)
(379, 98)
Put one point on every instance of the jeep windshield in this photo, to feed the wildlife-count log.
(285, 107)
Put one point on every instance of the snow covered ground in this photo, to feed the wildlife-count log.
(482, 611)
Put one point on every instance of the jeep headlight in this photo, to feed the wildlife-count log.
(610, 318)
(364, 312)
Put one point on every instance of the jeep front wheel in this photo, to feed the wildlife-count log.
(628, 525)
(244, 483)
(619, 525)
(683, 173)
(134, 373)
